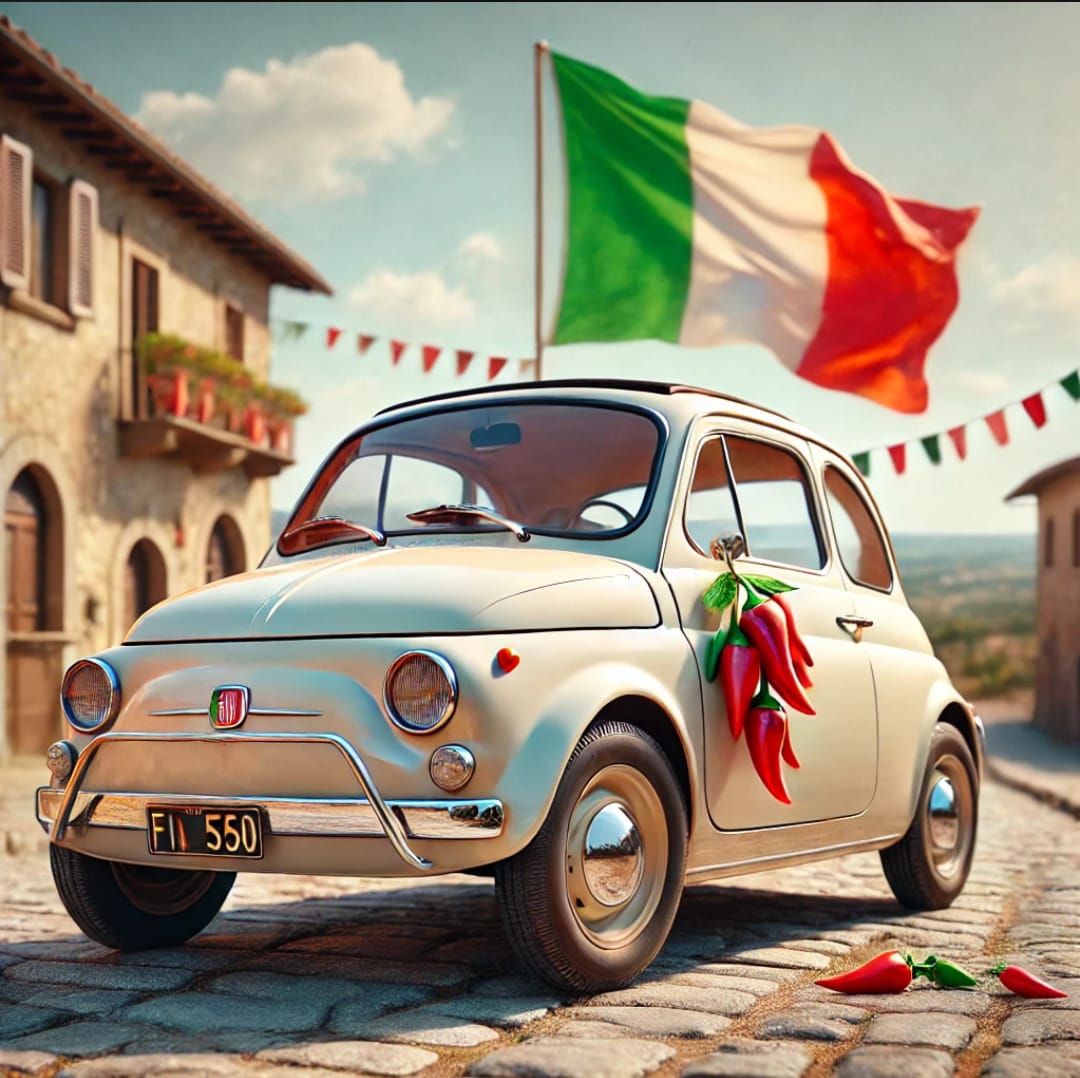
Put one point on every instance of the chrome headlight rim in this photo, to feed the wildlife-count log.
(114, 695)
(451, 679)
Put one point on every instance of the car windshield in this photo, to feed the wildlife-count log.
(554, 468)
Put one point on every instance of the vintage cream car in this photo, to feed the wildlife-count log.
(480, 644)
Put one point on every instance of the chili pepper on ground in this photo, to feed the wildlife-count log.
(888, 972)
(1027, 984)
(765, 624)
(800, 653)
(740, 674)
(766, 728)
(943, 973)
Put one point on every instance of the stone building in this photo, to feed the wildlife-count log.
(1057, 677)
(110, 504)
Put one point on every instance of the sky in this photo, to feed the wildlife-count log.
(393, 147)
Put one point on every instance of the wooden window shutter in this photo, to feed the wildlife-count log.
(83, 218)
(16, 181)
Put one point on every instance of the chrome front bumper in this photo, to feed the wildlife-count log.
(59, 808)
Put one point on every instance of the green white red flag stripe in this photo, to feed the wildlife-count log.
(687, 226)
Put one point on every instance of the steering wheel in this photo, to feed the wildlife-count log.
(628, 517)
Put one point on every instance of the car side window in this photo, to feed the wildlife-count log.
(710, 507)
(859, 539)
(776, 504)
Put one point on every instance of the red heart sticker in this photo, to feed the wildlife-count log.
(507, 658)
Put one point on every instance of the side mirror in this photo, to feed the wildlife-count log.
(727, 547)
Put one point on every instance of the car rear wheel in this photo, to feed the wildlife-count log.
(136, 907)
(929, 866)
(590, 901)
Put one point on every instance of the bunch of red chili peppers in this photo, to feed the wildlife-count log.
(892, 971)
(760, 654)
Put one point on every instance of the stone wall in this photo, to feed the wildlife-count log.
(1057, 685)
(64, 383)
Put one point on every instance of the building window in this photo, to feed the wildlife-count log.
(225, 551)
(144, 320)
(234, 332)
(24, 525)
(43, 233)
(1048, 543)
(144, 580)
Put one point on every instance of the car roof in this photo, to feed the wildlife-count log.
(628, 385)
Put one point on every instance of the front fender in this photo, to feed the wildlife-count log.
(528, 784)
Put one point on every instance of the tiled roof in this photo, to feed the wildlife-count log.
(1042, 479)
(32, 74)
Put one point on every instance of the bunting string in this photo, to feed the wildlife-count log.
(336, 338)
(1034, 404)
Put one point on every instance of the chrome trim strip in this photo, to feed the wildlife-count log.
(288, 712)
(867, 844)
(325, 817)
(389, 822)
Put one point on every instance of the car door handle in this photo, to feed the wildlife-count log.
(854, 625)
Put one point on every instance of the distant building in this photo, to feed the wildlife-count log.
(1057, 678)
(110, 501)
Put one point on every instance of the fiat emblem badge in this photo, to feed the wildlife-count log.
(229, 706)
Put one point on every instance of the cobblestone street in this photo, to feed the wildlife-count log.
(326, 976)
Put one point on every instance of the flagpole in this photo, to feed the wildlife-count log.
(538, 331)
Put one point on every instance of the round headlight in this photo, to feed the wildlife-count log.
(90, 694)
(420, 691)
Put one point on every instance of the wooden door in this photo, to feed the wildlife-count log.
(32, 664)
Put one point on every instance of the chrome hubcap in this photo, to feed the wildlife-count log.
(950, 816)
(616, 856)
(161, 892)
(613, 860)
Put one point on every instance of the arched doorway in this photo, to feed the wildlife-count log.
(225, 551)
(144, 581)
(34, 555)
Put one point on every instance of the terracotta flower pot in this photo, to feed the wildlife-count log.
(255, 424)
(169, 390)
(205, 401)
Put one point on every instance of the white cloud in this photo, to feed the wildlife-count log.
(1049, 289)
(481, 246)
(300, 130)
(409, 297)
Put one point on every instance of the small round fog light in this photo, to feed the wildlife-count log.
(60, 758)
(451, 766)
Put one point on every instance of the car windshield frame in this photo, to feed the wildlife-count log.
(346, 452)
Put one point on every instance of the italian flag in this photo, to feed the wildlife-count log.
(687, 226)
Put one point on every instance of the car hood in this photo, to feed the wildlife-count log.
(410, 591)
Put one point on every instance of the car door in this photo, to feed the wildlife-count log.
(901, 656)
(739, 479)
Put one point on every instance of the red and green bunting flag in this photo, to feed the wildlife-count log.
(1034, 405)
(429, 353)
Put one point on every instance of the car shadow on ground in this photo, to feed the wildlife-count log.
(403, 963)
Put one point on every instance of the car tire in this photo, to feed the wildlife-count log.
(929, 866)
(136, 907)
(590, 901)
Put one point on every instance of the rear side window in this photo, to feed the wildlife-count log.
(859, 539)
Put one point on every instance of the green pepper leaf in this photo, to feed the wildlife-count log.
(767, 585)
(712, 653)
(721, 593)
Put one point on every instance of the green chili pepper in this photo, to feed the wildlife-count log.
(943, 973)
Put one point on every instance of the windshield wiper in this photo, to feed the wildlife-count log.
(462, 514)
(324, 530)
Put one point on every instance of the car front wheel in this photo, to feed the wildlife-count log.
(590, 901)
(136, 907)
(929, 866)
